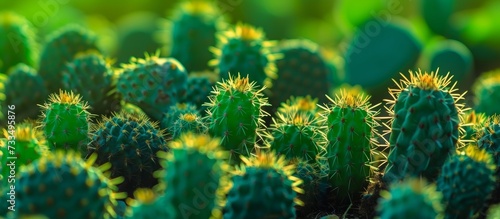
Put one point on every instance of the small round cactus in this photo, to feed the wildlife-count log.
(91, 76)
(188, 122)
(130, 143)
(52, 186)
(243, 50)
(263, 187)
(61, 47)
(412, 198)
(153, 84)
(466, 181)
(65, 122)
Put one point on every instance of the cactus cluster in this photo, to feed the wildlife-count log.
(268, 114)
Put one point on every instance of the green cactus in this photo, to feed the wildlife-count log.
(412, 198)
(24, 89)
(486, 90)
(52, 186)
(188, 122)
(130, 143)
(146, 205)
(235, 115)
(91, 76)
(466, 181)
(174, 112)
(264, 187)
(302, 71)
(29, 144)
(153, 84)
(194, 175)
(296, 137)
(65, 122)
(424, 126)
(244, 50)
(193, 31)
(364, 56)
(350, 130)
(60, 48)
(17, 41)
(438, 16)
(472, 123)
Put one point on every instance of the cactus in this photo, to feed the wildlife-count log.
(17, 41)
(350, 129)
(264, 187)
(24, 88)
(412, 198)
(296, 137)
(145, 206)
(174, 112)
(235, 115)
(244, 50)
(466, 181)
(91, 76)
(130, 143)
(486, 90)
(194, 175)
(65, 122)
(60, 48)
(302, 71)
(193, 31)
(365, 65)
(52, 185)
(472, 123)
(188, 122)
(424, 125)
(153, 84)
(29, 144)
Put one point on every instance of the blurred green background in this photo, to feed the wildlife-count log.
(333, 24)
